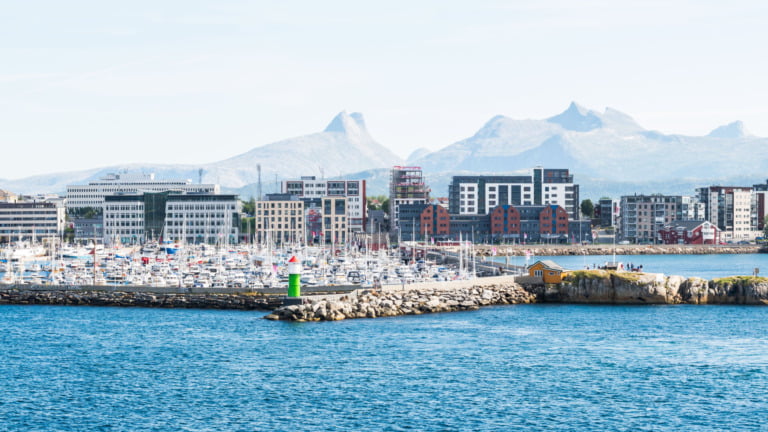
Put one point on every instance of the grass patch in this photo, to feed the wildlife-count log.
(740, 279)
(627, 276)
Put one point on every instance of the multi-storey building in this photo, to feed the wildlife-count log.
(760, 204)
(92, 194)
(642, 216)
(189, 218)
(477, 195)
(31, 221)
(280, 219)
(607, 211)
(309, 187)
(504, 223)
(424, 222)
(406, 186)
(335, 228)
(730, 208)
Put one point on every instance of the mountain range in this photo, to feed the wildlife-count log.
(608, 152)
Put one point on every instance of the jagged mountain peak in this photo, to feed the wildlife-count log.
(352, 124)
(731, 130)
(418, 154)
(577, 118)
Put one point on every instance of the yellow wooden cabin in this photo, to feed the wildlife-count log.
(548, 271)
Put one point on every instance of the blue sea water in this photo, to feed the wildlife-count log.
(703, 266)
(523, 367)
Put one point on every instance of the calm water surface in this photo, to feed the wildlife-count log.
(704, 266)
(527, 367)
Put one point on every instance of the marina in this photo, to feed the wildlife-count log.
(241, 268)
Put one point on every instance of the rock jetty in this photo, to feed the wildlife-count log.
(138, 299)
(414, 301)
(580, 287)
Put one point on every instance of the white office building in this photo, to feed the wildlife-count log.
(31, 221)
(186, 218)
(92, 194)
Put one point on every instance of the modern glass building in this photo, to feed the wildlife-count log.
(187, 218)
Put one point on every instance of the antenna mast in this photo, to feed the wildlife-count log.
(258, 191)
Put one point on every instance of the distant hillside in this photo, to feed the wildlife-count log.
(606, 147)
(344, 147)
(608, 153)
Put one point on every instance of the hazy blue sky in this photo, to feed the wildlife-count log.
(86, 84)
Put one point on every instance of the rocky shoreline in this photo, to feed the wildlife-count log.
(583, 287)
(579, 287)
(608, 249)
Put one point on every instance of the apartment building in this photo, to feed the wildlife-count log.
(309, 187)
(335, 227)
(731, 209)
(643, 216)
(477, 195)
(280, 219)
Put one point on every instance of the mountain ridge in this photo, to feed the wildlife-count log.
(604, 147)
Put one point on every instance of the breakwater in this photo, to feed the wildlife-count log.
(609, 249)
(86, 297)
(585, 287)
(579, 287)
(415, 300)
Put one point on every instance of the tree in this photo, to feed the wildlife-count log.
(587, 208)
(379, 202)
(765, 227)
(249, 207)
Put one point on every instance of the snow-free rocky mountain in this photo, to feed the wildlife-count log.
(344, 147)
(608, 153)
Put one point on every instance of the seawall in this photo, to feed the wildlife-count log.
(95, 297)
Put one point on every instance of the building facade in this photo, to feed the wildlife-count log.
(188, 218)
(31, 221)
(92, 194)
(760, 204)
(690, 232)
(607, 212)
(335, 228)
(280, 220)
(309, 187)
(730, 208)
(406, 187)
(643, 216)
(477, 195)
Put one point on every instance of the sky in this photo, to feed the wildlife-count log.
(90, 84)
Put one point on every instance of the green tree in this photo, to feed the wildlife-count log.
(587, 208)
(377, 202)
(249, 207)
(765, 227)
